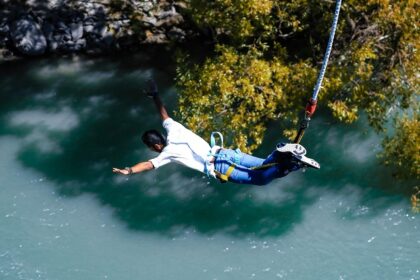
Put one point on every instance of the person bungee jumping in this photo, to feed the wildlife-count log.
(185, 147)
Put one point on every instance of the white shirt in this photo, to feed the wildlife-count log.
(184, 147)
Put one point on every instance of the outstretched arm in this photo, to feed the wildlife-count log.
(160, 107)
(139, 167)
(152, 92)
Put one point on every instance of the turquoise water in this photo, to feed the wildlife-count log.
(64, 123)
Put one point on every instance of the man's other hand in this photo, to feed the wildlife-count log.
(121, 171)
(151, 89)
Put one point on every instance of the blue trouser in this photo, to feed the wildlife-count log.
(243, 174)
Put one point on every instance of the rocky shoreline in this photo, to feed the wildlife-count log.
(41, 27)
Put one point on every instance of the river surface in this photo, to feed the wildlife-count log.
(64, 123)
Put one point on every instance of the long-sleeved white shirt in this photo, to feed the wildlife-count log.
(184, 147)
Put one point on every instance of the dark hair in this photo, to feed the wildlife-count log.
(152, 137)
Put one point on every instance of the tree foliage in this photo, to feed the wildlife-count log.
(402, 150)
(239, 19)
(268, 55)
(238, 93)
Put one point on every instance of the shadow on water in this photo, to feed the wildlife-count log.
(78, 118)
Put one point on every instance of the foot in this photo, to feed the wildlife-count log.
(298, 153)
(294, 149)
(307, 162)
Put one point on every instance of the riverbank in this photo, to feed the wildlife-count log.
(34, 28)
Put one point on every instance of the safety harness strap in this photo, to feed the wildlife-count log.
(264, 166)
(213, 139)
(225, 177)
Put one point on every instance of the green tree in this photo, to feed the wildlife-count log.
(269, 53)
(239, 19)
(402, 150)
(238, 93)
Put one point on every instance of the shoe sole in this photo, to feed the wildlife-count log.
(308, 162)
(294, 149)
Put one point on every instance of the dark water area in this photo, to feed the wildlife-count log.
(64, 123)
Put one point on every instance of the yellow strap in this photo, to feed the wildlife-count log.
(263, 166)
(225, 177)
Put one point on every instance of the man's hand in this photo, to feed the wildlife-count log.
(139, 167)
(121, 171)
(152, 89)
(152, 92)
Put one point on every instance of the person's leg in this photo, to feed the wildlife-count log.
(253, 170)
(298, 152)
(249, 161)
(242, 174)
(224, 159)
(240, 158)
(276, 157)
(286, 154)
(260, 177)
(245, 175)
